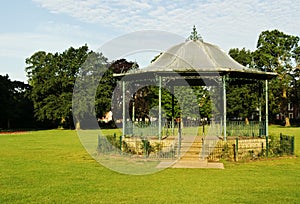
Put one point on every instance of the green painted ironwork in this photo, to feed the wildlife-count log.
(159, 107)
(121, 142)
(240, 128)
(224, 108)
(123, 109)
(293, 145)
(287, 144)
(236, 148)
(267, 146)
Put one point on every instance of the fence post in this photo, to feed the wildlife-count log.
(121, 144)
(179, 138)
(146, 147)
(236, 149)
(292, 145)
(98, 147)
(203, 148)
(262, 148)
(267, 146)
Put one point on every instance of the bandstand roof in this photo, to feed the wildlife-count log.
(194, 59)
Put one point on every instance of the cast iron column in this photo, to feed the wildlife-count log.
(123, 111)
(159, 110)
(224, 107)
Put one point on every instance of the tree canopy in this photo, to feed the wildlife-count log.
(15, 107)
(277, 52)
(52, 76)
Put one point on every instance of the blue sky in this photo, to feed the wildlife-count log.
(55, 25)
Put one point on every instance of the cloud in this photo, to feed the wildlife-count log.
(229, 19)
(226, 23)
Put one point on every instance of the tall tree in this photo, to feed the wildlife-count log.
(242, 99)
(52, 78)
(85, 99)
(108, 87)
(108, 83)
(276, 51)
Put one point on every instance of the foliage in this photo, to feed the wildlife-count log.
(192, 102)
(15, 107)
(107, 86)
(146, 147)
(52, 77)
(108, 144)
(282, 145)
(279, 52)
(85, 99)
(242, 99)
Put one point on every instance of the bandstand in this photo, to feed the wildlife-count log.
(192, 63)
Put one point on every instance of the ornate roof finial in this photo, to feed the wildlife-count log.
(194, 35)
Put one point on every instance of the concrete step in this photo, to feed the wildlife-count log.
(198, 164)
(191, 164)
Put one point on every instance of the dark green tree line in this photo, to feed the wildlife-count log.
(15, 107)
(52, 76)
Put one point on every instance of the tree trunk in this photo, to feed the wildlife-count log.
(246, 121)
(62, 121)
(287, 122)
(284, 93)
(77, 125)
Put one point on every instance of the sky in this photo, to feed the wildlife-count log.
(55, 25)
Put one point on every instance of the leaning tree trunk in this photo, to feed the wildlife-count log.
(77, 124)
(287, 122)
(285, 103)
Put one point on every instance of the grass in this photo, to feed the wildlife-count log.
(53, 167)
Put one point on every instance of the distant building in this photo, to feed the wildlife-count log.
(293, 112)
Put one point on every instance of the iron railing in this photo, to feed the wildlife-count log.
(234, 128)
(212, 149)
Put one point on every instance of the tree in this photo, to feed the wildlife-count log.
(93, 93)
(242, 99)
(85, 99)
(107, 91)
(52, 77)
(278, 52)
(16, 109)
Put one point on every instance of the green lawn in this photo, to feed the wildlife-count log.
(53, 167)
